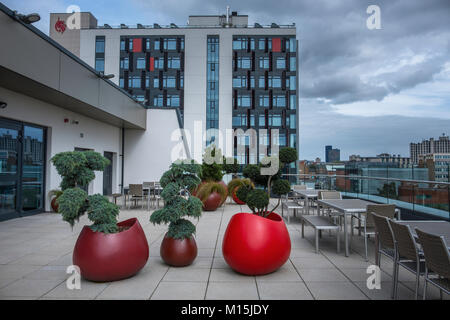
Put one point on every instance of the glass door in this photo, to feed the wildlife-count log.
(22, 169)
(10, 147)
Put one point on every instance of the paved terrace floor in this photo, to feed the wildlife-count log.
(36, 250)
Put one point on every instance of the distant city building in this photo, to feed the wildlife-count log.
(442, 145)
(332, 155)
(403, 162)
(438, 165)
(318, 160)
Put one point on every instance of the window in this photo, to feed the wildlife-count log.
(139, 98)
(293, 140)
(261, 44)
(236, 121)
(100, 64)
(122, 45)
(262, 120)
(292, 45)
(159, 63)
(140, 63)
(99, 44)
(293, 83)
(173, 63)
(264, 101)
(279, 101)
(156, 82)
(252, 44)
(147, 44)
(282, 139)
(261, 82)
(156, 44)
(124, 63)
(134, 82)
(240, 43)
(244, 101)
(275, 120)
(274, 82)
(130, 45)
(292, 121)
(252, 82)
(169, 82)
(293, 101)
(240, 82)
(292, 63)
(158, 100)
(281, 63)
(252, 120)
(264, 62)
(147, 81)
(170, 44)
(244, 63)
(181, 81)
(121, 82)
(173, 100)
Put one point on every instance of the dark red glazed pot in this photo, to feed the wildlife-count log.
(255, 245)
(54, 205)
(212, 202)
(109, 257)
(178, 252)
(235, 198)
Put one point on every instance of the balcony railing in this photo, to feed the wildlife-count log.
(418, 199)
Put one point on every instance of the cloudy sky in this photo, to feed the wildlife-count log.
(363, 91)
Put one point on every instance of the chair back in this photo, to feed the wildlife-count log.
(136, 190)
(435, 250)
(383, 230)
(148, 184)
(384, 210)
(404, 240)
(329, 195)
(299, 187)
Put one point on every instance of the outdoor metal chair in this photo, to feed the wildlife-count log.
(368, 228)
(407, 254)
(437, 260)
(330, 195)
(289, 205)
(384, 244)
(149, 187)
(136, 192)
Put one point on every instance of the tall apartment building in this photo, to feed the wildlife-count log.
(441, 145)
(438, 165)
(218, 69)
(401, 162)
(332, 155)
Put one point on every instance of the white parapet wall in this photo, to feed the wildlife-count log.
(148, 154)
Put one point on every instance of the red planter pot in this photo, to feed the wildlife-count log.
(235, 198)
(109, 257)
(54, 204)
(255, 245)
(177, 252)
(212, 202)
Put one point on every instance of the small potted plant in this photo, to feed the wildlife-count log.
(212, 194)
(178, 247)
(105, 250)
(235, 184)
(266, 251)
(54, 195)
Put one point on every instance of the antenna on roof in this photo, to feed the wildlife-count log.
(173, 25)
(140, 26)
(156, 26)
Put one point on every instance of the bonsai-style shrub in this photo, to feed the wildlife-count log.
(77, 170)
(212, 164)
(230, 166)
(272, 182)
(210, 192)
(235, 184)
(178, 202)
(54, 195)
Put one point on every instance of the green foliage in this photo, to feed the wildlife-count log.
(181, 229)
(257, 201)
(77, 170)
(212, 164)
(55, 193)
(178, 180)
(281, 187)
(230, 165)
(206, 189)
(288, 155)
(243, 192)
(237, 183)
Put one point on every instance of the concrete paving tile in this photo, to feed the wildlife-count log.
(283, 291)
(322, 275)
(28, 288)
(335, 291)
(88, 290)
(233, 290)
(180, 291)
(228, 274)
(186, 274)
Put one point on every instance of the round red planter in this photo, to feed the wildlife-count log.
(54, 204)
(177, 252)
(109, 257)
(235, 198)
(212, 202)
(254, 245)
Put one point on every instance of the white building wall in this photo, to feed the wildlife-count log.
(62, 136)
(148, 154)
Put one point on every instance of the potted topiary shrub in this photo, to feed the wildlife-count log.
(54, 195)
(267, 250)
(212, 194)
(105, 250)
(235, 184)
(178, 247)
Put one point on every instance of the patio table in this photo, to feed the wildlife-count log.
(307, 195)
(438, 227)
(346, 207)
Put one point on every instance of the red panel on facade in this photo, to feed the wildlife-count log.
(137, 45)
(151, 64)
(276, 45)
